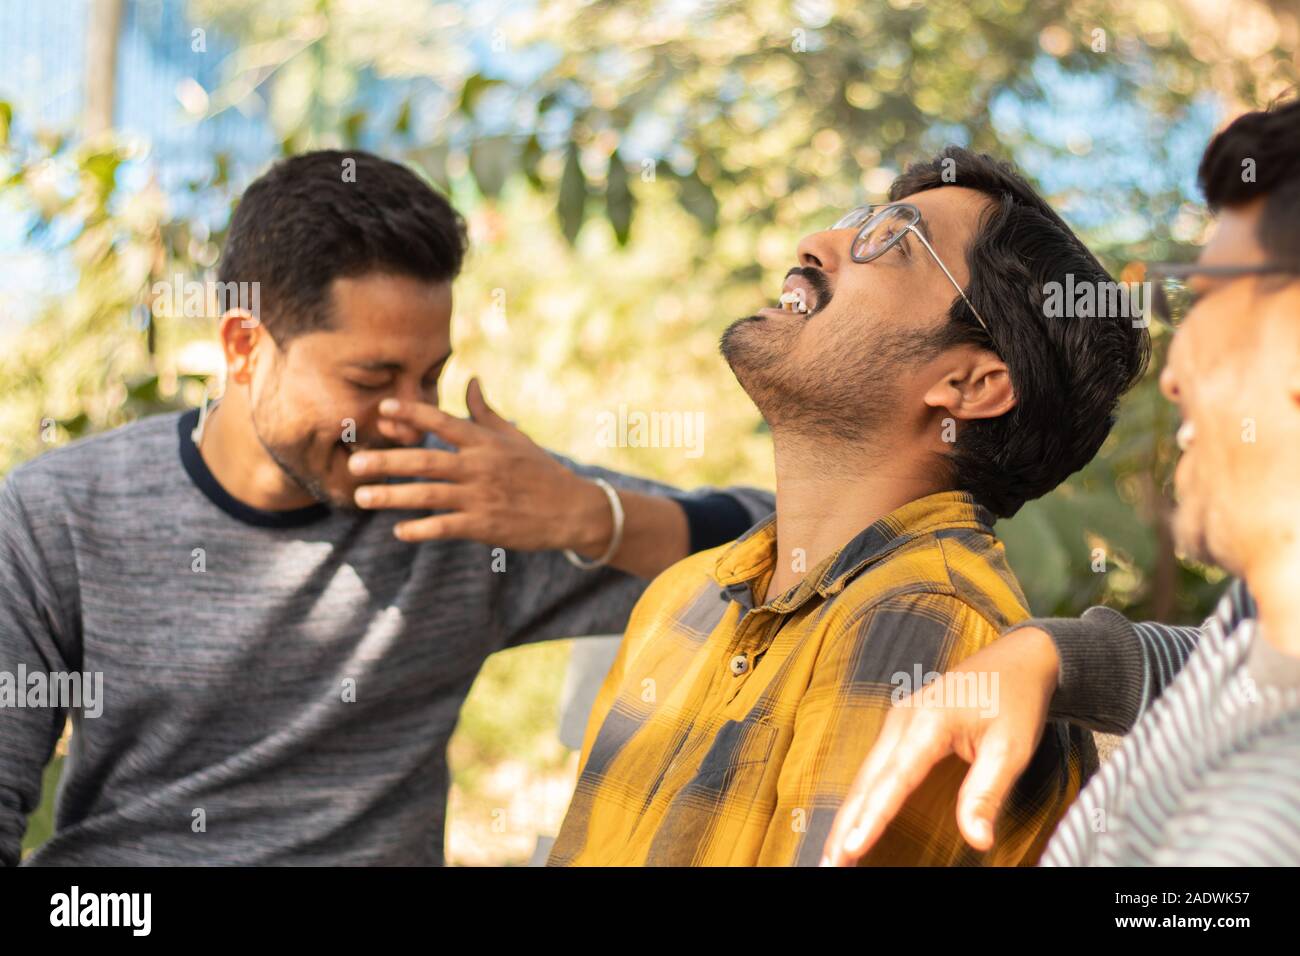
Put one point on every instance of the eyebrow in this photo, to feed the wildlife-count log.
(382, 366)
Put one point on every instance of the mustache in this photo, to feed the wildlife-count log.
(821, 286)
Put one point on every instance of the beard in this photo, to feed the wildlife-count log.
(305, 455)
(843, 393)
(292, 461)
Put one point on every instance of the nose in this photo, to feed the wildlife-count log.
(408, 388)
(825, 250)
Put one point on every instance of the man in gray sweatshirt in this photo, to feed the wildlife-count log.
(1209, 770)
(263, 621)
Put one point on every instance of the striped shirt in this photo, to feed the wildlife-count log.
(1209, 770)
(730, 727)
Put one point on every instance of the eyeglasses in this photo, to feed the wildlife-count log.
(1172, 298)
(881, 227)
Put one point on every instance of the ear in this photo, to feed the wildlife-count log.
(975, 384)
(242, 339)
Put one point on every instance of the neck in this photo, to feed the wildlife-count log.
(828, 491)
(240, 464)
(1271, 576)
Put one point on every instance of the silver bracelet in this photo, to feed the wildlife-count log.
(616, 506)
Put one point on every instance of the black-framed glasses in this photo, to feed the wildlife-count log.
(882, 226)
(1172, 298)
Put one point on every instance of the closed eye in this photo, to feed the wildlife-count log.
(904, 245)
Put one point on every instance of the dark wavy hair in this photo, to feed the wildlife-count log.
(1258, 154)
(1068, 372)
(320, 216)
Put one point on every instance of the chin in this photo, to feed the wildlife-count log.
(750, 344)
(1189, 536)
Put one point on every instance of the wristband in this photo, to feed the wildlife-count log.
(616, 539)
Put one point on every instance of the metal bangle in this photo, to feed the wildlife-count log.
(615, 506)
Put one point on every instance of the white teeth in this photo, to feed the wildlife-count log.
(1186, 435)
(793, 301)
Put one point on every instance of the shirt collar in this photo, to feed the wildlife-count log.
(206, 482)
(744, 569)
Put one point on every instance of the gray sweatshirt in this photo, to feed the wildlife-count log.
(274, 687)
(1209, 770)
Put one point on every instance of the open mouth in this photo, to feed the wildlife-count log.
(798, 295)
(794, 301)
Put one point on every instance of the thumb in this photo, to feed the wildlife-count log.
(481, 412)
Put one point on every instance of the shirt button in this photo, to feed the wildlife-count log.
(739, 665)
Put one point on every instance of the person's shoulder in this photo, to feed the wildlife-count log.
(691, 573)
(121, 457)
(685, 597)
(954, 570)
(1250, 802)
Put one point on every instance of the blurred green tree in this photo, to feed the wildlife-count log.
(682, 151)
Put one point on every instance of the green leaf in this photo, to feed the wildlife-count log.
(698, 200)
(474, 87)
(402, 125)
(220, 169)
(572, 204)
(352, 128)
(6, 120)
(433, 160)
(619, 200)
(101, 166)
(1036, 554)
(490, 160)
(531, 156)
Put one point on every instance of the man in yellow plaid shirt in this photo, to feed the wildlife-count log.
(921, 378)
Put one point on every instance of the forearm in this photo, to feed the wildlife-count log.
(656, 534)
(662, 525)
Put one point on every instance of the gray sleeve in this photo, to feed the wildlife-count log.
(543, 597)
(1111, 668)
(31, 642)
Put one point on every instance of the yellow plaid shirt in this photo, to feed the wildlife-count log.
(729, 730)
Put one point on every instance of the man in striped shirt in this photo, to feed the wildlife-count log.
(1209, 771)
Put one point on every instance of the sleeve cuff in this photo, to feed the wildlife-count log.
(1102, 678)
(713, 519)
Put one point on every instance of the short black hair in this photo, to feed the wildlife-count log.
(1258, 154)
(329, 214)
(1068, 372)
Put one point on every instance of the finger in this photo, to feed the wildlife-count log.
(851, 810)
(998, 764)
(399, 432)
(407, 463)
(416, 496)
(431, 418)
(481, 412)
(438, 527)
(911, 762)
